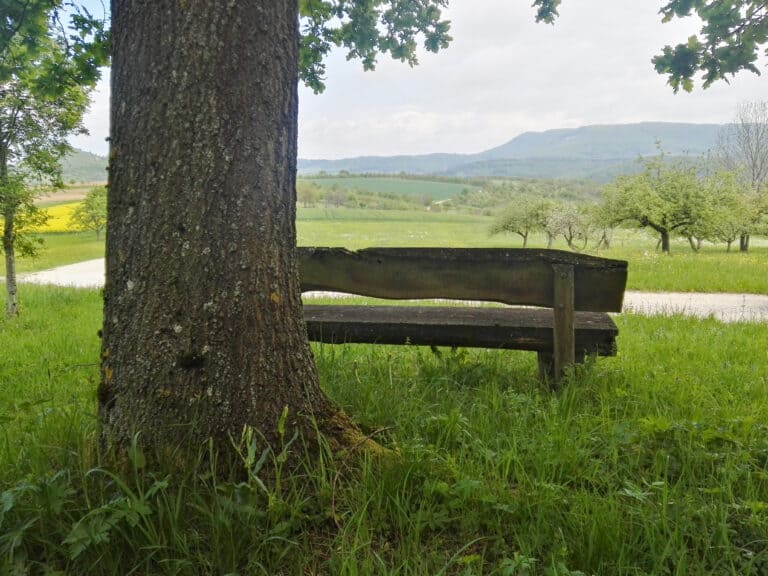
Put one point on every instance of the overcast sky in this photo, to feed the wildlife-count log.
(502, 75)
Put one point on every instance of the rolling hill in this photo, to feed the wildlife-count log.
(81, 166)
(599, 152)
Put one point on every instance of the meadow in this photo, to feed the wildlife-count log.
(651, 462)
(437, 190)
(59, 249)
(711, 270)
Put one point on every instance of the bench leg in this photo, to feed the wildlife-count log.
(547, 367)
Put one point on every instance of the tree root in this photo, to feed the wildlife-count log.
(345, 438)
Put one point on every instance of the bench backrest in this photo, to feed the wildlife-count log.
(506, 275)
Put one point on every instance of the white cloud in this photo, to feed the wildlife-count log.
(502, 75)
(96, 121)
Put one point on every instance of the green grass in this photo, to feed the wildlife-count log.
(711, 270)
(59, 249)
(360, 229)
(652, 462)
(420, 188)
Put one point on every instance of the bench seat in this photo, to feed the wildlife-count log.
(479, 327)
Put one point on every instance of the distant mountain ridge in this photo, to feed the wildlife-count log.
(81, 166)
(610, 141)
(599, 152)
(595, 151)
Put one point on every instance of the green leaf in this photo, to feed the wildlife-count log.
(6, 504)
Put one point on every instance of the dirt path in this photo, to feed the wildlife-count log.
(69, 194)
(725, 307)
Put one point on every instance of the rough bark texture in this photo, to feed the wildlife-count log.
(203, 329)
(11, 290)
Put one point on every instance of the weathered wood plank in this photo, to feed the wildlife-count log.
(509, 276)
(564, 340)
(507, 328)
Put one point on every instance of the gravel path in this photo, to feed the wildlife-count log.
(725, 307)
(88, 274)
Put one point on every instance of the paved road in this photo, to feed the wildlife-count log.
(725, 307)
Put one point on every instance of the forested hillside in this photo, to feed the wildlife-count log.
(594, 152)
(81, 166)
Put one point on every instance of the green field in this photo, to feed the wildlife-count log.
(652, 462)
(390, 185)
(63, 248)
(711, 270)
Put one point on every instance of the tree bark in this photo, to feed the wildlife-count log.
(203, 327)
(11, 289)
(665, 241)
(744, 243)
(9, 217)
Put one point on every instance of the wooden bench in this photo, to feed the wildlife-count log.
(571, 293)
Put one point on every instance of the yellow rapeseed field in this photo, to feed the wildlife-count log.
(58, 218)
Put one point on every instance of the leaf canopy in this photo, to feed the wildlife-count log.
(366, 29)
(732, 35)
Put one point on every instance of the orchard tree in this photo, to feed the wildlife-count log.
(602, 223)
(307, 193)
(91, 213)
(45, 75)
(522, 217)
(732, 35)
(727, 211)
(574, 223)
(743, 148)
(664, 197)
(203, 326)
(743, 144)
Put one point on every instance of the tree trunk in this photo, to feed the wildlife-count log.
(9, 218)
(664, 241)
(744, 243)
(11, 290)
(693, 243)
(203, 326)
(603, 242)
